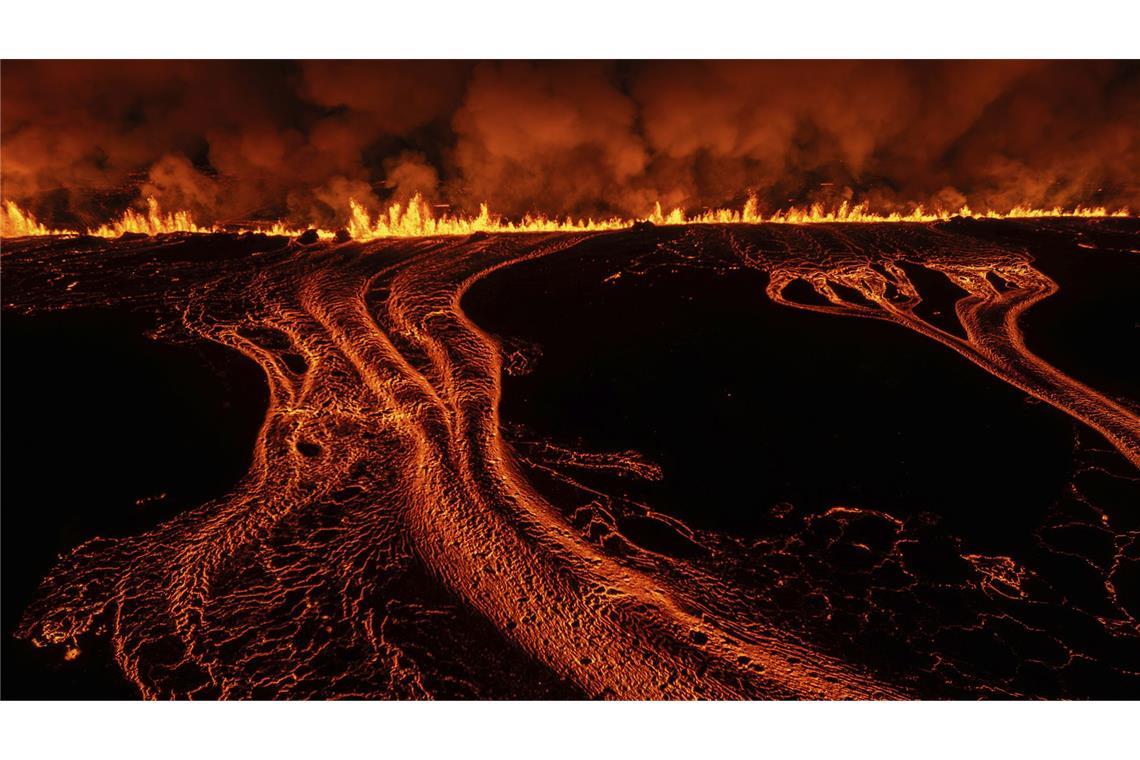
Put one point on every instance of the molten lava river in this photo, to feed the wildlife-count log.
(772, 461)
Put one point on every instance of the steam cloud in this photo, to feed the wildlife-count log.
(239, 141)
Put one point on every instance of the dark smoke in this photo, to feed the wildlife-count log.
(239, 141)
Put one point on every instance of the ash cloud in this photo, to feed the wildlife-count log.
(240, 141)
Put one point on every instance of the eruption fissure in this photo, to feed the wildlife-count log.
(417, 219)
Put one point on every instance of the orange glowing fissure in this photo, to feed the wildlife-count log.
(417, 219)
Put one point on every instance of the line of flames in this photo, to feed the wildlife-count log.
(417, 219)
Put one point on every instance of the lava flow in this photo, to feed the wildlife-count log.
(388, 541)
(999, 287)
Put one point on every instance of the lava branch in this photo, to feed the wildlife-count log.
(504, 549)
(989, 317)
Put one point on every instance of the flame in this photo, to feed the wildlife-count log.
(280, 229)
(15, 222)
(417, 219)
(154, 223)
(861, 213)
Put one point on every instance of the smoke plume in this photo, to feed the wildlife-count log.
(241, 140)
